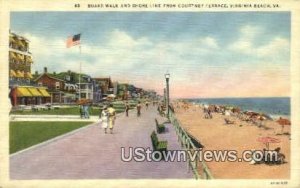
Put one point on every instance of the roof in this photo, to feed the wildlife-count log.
(49, 75)
(106, 79)
(18, 36)
(75, 76)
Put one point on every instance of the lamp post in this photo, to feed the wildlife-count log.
(165, 96)
(167, 76)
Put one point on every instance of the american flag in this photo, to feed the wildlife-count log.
(73, 40)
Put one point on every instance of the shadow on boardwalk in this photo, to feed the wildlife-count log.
(91, 154)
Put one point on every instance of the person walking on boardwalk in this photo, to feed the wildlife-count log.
(138, 109)
(147, 104)
(126, 108)
(104, 118)
(111, 117)
(86, 109)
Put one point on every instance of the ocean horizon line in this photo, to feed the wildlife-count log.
(188, 98)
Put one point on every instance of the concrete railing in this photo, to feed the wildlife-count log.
(187, 143)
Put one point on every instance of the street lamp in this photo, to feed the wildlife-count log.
(167, 76)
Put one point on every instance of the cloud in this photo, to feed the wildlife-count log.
(247, 35)
(276, 49)
(277, 46)
(209, 42)
(198, 66)
(120, 40)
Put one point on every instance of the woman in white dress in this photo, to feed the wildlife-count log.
(104, 118)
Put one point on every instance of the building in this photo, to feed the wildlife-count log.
(106, 86)
(65, 87)
(86, 87)
(23, 91)
(20, 59)
(54, 85)
(97, 94)
(29, 95)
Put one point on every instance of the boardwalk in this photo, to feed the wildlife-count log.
(91, 154)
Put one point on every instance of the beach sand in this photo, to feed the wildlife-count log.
(214, 134)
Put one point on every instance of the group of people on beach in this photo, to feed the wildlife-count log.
(268, 158)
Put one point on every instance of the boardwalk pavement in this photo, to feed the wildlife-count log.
(91, 154)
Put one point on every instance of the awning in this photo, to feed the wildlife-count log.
(12, 73)
(44, 92)
(20, 57)
(11, 38)
(12, 55)
(29, 59)
(28, 75)
(20, 42)
(34, 92)
(23, 92)
(20, 74)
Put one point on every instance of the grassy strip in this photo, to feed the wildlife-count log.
(25, 134)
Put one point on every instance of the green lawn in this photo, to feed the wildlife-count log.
(25, 134)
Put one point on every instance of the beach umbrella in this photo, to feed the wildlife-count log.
(267, 140)
(283, 122)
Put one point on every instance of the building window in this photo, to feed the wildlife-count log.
(57, 85)
(68, 78)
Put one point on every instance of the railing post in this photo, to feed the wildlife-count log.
(197, 158)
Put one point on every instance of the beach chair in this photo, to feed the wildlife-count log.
(227, 121)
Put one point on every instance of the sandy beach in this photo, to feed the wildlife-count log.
(214, 134)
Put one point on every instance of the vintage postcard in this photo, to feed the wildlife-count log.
(149, 93)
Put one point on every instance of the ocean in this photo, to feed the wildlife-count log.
(273, 106)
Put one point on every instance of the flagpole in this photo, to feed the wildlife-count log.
(80, 72)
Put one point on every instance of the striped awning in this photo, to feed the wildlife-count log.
(29, 59)
(12, 55)
(12, 39)
(28, 75)
(34, 92)
(12, 73)
(20, 74)
(20, 42)
(44, 92)
(23, 92)
(20, 57)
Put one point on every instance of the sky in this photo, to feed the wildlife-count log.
(208, 54)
